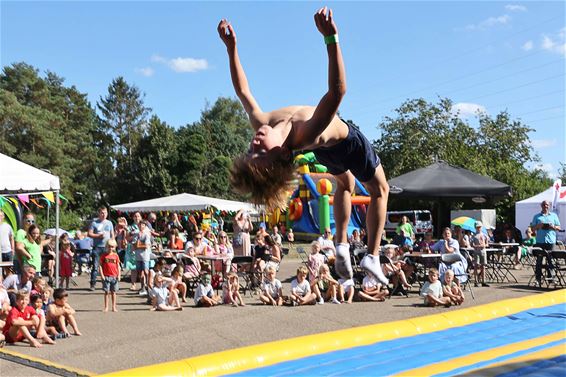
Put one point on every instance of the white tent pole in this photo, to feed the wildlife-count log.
(57, 259)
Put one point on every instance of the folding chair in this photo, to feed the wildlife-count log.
(303, 255)
(192, 282)
(545, 280)
(250, 280)
(559, 258)
(463, 278)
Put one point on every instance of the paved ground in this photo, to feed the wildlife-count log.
(134, 336)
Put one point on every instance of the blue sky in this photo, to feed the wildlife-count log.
(483, 55)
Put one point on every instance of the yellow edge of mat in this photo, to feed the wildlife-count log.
(262, 355)
(490, 354)
(44, 362)
(518, 362)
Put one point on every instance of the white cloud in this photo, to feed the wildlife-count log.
(543, 143)
(515, 8)
(465, 110)
(182, 64)
(146, 71)
(528, 46)
(548, 168)
(555, 43)
(490, 22)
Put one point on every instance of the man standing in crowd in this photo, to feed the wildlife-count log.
(21, 234)
(100, 230)
(6, 240)
(545, 224)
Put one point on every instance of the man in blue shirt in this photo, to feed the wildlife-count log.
(100, 230)
(545, 224)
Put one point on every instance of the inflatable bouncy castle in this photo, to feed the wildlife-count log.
(310, 208)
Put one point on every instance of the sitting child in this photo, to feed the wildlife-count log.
(432, 290)
(325, 287)
(231, 290)
(204, 294)
(36, 302)
(271, 289)
(394, 270)
(178, 283)
(301, 290)
(316, 259)
(372, 289)
(192, 264)
(60, 313)
(21, 320)
(452, 289)
(348, 287)
(163, 298)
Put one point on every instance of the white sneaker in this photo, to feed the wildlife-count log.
(143, 292)
(343, 264)
(335, 301)
(371, 264)
(321, 301)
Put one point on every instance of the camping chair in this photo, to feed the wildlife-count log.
(546, 280)
(463, 278)
(397, 286)
(250, 280)
(192, 282)
(559, 258)
(303, 255)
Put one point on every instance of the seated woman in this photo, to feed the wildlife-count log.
(224, 248)
(424, 245)
(266, 253)
(395, 269)
(192, 264)
(448, 245)
(356, 241)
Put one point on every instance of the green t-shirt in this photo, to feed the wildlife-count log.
(20, 235)
(407, 228)
(35, 251)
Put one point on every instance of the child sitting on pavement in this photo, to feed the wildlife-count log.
(325, 287)
(300, 289)
(110, 273)
(432, 290)
(271, 289)
(23, 319)
(452, 289)
(60, 313)
(349, 289)
(163, 298)
(178, 283)
(231, 290)
(372, 289)
(204, 294)
(36, 302)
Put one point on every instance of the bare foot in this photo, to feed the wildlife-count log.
(77, 333)
(48, 340)
(184, 299)
(114, 309)
(152, 309)
(180, 308)
(35, 344)
(242, 304)
(105, 310)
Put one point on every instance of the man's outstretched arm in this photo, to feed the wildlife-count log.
(328, 105)
(239, 80)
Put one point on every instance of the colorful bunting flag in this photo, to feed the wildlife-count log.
(2, 200)
(49, 195)
(34, 201)
(24, 198)
(62, 197)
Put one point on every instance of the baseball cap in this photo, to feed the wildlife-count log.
(478, 224)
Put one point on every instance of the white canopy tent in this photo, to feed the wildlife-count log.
(526, 209)
(17, 177)
(184, 202)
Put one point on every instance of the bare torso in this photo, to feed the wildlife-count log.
(291, 122)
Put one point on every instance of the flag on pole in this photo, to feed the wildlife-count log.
(34, 201)
(49, 195)
(556, 197)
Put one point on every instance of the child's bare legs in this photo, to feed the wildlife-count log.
(14, 330)
(71, 319)
(182, 287)
(331, 294)
(350, 294)
(309, 299)
(106, 297)
(438, 301)
(316, 290)
(237, 297)
(41, 333)
(403, 279)
(113, 295)
(133, 279)
(368, 297)
(174, 300)
(458, 295)
(208, 302)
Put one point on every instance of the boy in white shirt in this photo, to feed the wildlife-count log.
(271, 289)
(432, 291)
(301, 293)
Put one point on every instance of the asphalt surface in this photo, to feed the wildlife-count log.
(135, 336)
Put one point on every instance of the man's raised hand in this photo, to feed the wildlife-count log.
(227, 34)
(324, 22)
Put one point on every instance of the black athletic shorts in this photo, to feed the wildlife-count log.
(354, 153)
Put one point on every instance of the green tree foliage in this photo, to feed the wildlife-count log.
(122, 125)
(423, 132)
(48, 125)
(155, 159)
(207, 147)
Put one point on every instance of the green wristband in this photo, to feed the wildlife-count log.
(331, 39)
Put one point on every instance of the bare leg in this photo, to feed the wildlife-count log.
(73, 323)
(106, 294)
(377, 209)
(114, 308)
(13, 332)
(342, 210)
